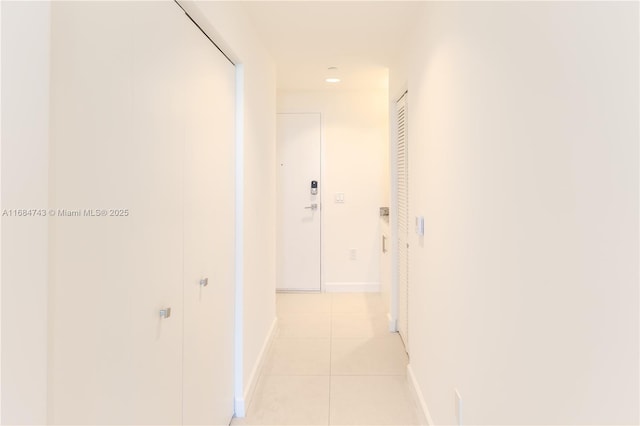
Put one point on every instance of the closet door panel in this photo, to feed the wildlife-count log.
(208, 232)
(118, 142)
(158, 135)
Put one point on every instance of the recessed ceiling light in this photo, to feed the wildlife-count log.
(332, 80)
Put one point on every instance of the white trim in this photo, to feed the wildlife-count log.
(257, 369)
(238, 344)
(295, 291)
(393, 323)
(419, 397)
(352, 287)
(238, 407)
(322, 198)
(1, 223)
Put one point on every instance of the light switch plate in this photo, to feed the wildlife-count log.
(339, 197)
(420, 225)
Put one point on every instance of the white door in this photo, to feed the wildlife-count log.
(138, 126)
(209, 240)
(299, 205)
(113, 360)
(402, 168)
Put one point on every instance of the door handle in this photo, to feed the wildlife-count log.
(313, 206)
(165, 313)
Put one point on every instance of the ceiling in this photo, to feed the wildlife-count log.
(362, 38)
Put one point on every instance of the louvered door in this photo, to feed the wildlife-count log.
(403, 220)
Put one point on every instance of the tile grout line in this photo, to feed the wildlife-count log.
(333, 312)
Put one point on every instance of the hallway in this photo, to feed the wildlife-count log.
(473, 181)
(333, 362)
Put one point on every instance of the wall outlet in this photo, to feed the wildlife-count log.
(352, 254)
(458, 407)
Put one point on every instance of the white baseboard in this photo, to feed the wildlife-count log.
(242, 404)
(351, 287)
(419, 397)
(238, 407)
(393, 324)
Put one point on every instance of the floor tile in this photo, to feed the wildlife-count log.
(303, 303)
(372, 400)
(376, 356)
(357, 303)
(298, 357)
(356, 326)
(289, 400)
(333, 359)
(296, 326)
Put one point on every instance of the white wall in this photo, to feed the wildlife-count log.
(355, 134)
(25, 128)
(233, 28)
(524, 161)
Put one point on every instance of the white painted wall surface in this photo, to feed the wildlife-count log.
(524, 162)
(355, 157)
(25, 140)
(234, 29)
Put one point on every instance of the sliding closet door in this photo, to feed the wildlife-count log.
(208, 232)
(117, 150)
(142, 128)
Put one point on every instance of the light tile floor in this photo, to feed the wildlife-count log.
(333, 362)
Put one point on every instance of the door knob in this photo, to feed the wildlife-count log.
(204, 282)
(165, 313)
(313, 206)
